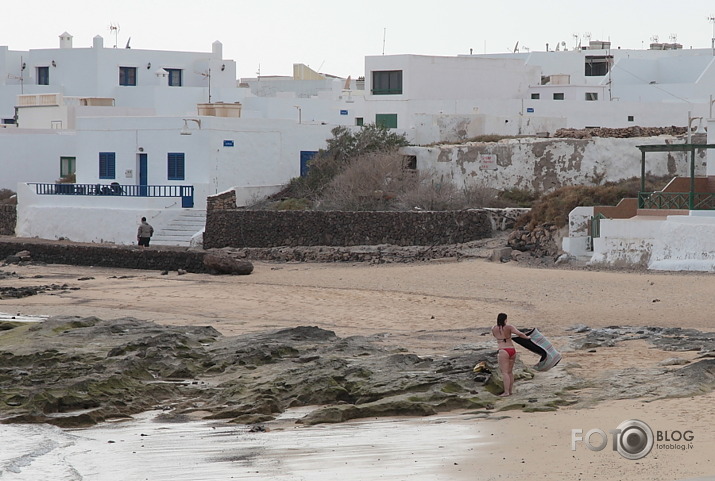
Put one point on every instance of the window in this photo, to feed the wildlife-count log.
(409, 162)
(388, 82)
(591, 96)
(631, 118)
(598, 65)
(128, 76)
(175, 166)
(359, 121)
(386, 120)
(559, 96)
(43, 75)
(535, 96)
(67, 166)
(107, 165)
(174, 77)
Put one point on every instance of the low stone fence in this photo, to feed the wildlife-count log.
(107, 256)
(8, 219)
(257, 228)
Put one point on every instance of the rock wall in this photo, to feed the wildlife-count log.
(252, 228)
(107, 256)
(8, 219)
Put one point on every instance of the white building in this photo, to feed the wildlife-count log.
(437, 99)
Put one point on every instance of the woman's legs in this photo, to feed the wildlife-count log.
(511, 361)
(505, 366)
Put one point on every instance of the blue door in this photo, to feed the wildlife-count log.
(143, 175)
(305, 157)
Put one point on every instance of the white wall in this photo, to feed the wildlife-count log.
(32, 155)
(546, 164)
(626, 242)
(101, 219)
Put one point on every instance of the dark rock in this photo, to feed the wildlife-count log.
(225, 264)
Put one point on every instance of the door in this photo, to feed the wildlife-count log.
(305, 157)
(143, 175)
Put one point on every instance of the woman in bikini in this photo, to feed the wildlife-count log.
(507, 353)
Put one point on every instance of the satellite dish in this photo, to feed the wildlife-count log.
(128, 40)
(516, 47)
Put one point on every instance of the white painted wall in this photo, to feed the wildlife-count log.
(100, 219)
(32, 155)
(685, 243)
(626, 242)
(546, 164)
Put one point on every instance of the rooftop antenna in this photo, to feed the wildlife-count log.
(384, 35)
(114, 29)
(711, 19)
(673, 37)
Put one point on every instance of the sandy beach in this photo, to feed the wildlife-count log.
(430, 308)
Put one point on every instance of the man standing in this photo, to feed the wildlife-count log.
(144, 233)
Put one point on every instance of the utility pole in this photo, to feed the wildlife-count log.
(711, 18)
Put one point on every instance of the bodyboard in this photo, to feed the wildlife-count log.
(538, 344)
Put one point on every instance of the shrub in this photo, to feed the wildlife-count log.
(555, 207)
(372, 181)
(345, 146)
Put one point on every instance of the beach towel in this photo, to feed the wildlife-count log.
(538, 344)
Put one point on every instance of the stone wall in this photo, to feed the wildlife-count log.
(107, 256)
(8, 219)
(248, 228)
(222, 201)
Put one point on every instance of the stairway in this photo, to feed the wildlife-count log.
(179, 231)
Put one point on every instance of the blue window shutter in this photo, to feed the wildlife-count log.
(175, 166)
(107, 165)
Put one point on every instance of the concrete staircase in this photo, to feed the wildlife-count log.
(180, 230)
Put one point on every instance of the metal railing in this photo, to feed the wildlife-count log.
(186, 192)
(676, 200)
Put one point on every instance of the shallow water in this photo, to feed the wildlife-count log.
(423, 449)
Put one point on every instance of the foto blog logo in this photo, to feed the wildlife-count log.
(632, 439)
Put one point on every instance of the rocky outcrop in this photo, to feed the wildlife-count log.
(541, 240)
(621, 133)
(219, 263)
(72, 371)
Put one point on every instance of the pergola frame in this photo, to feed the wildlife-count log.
(672, 148)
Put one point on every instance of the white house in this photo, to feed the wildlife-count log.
(437, 99)
(162, 168)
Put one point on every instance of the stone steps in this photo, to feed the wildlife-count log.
(180, 230)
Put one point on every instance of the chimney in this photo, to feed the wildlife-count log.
(217, 49)
(65, 40)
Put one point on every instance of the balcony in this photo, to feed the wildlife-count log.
(185, 192)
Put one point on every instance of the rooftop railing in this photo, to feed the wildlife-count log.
(676, 200)
(186, 192)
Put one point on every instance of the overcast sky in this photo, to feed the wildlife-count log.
(334, 36)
